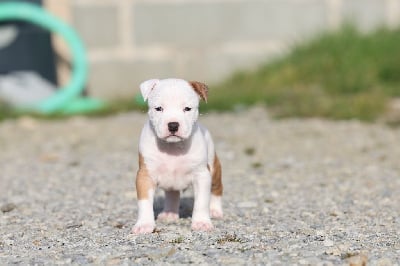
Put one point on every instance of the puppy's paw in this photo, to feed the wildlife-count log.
(216, 213)
(216, 207)
(202, 226)
(168, 216)
(143, 228)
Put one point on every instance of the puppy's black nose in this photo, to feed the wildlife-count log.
(173, 127)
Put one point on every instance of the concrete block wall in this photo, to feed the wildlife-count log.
(129, 41)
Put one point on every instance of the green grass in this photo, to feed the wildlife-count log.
(338, 75)
(114, 107)
(5, 111)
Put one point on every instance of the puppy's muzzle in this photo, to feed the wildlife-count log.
(173, 127)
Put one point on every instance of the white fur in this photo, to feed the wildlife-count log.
(216, 206)
(176, 161)
(147, 86)
(145, 222)
(173, 96)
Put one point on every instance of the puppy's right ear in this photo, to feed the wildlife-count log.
(147, 86)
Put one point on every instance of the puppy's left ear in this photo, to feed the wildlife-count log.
(147, 86)
(200, 88)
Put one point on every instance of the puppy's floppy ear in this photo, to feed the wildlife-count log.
(147, 86)
(200, 88)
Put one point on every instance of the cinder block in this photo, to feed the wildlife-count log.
(208, 23)
(366, 14)
(97, 25)
(279, 19)
(115, 79)
(214, 66)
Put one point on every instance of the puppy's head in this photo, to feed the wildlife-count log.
(173, 106)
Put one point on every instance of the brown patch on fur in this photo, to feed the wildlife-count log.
(143, 180)
(216, 185)
(200, 88)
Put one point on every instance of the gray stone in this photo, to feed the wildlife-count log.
(97, 25)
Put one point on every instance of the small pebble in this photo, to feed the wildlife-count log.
(8, 207)
(328, 243)
(247, 204)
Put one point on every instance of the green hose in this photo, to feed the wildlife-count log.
(66, 99)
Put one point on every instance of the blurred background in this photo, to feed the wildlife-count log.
(332, 58)
(129, 41)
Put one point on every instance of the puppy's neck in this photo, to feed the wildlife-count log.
(174, 148)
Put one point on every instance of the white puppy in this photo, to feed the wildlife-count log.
(175, 151)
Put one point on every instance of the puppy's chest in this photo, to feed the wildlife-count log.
(173, 173)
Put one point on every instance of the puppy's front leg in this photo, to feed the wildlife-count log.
(145, 195)
(201, 211)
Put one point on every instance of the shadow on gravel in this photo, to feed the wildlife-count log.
(185, 208)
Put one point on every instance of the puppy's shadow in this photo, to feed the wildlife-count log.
(185, 207)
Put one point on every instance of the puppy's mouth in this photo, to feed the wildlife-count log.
(173, 138)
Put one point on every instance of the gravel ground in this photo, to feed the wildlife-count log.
(303, 192)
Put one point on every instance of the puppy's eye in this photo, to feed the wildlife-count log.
(159, 109)
(187, 109)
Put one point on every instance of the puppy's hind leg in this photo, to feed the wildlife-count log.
(171, 207)
(216, 190)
